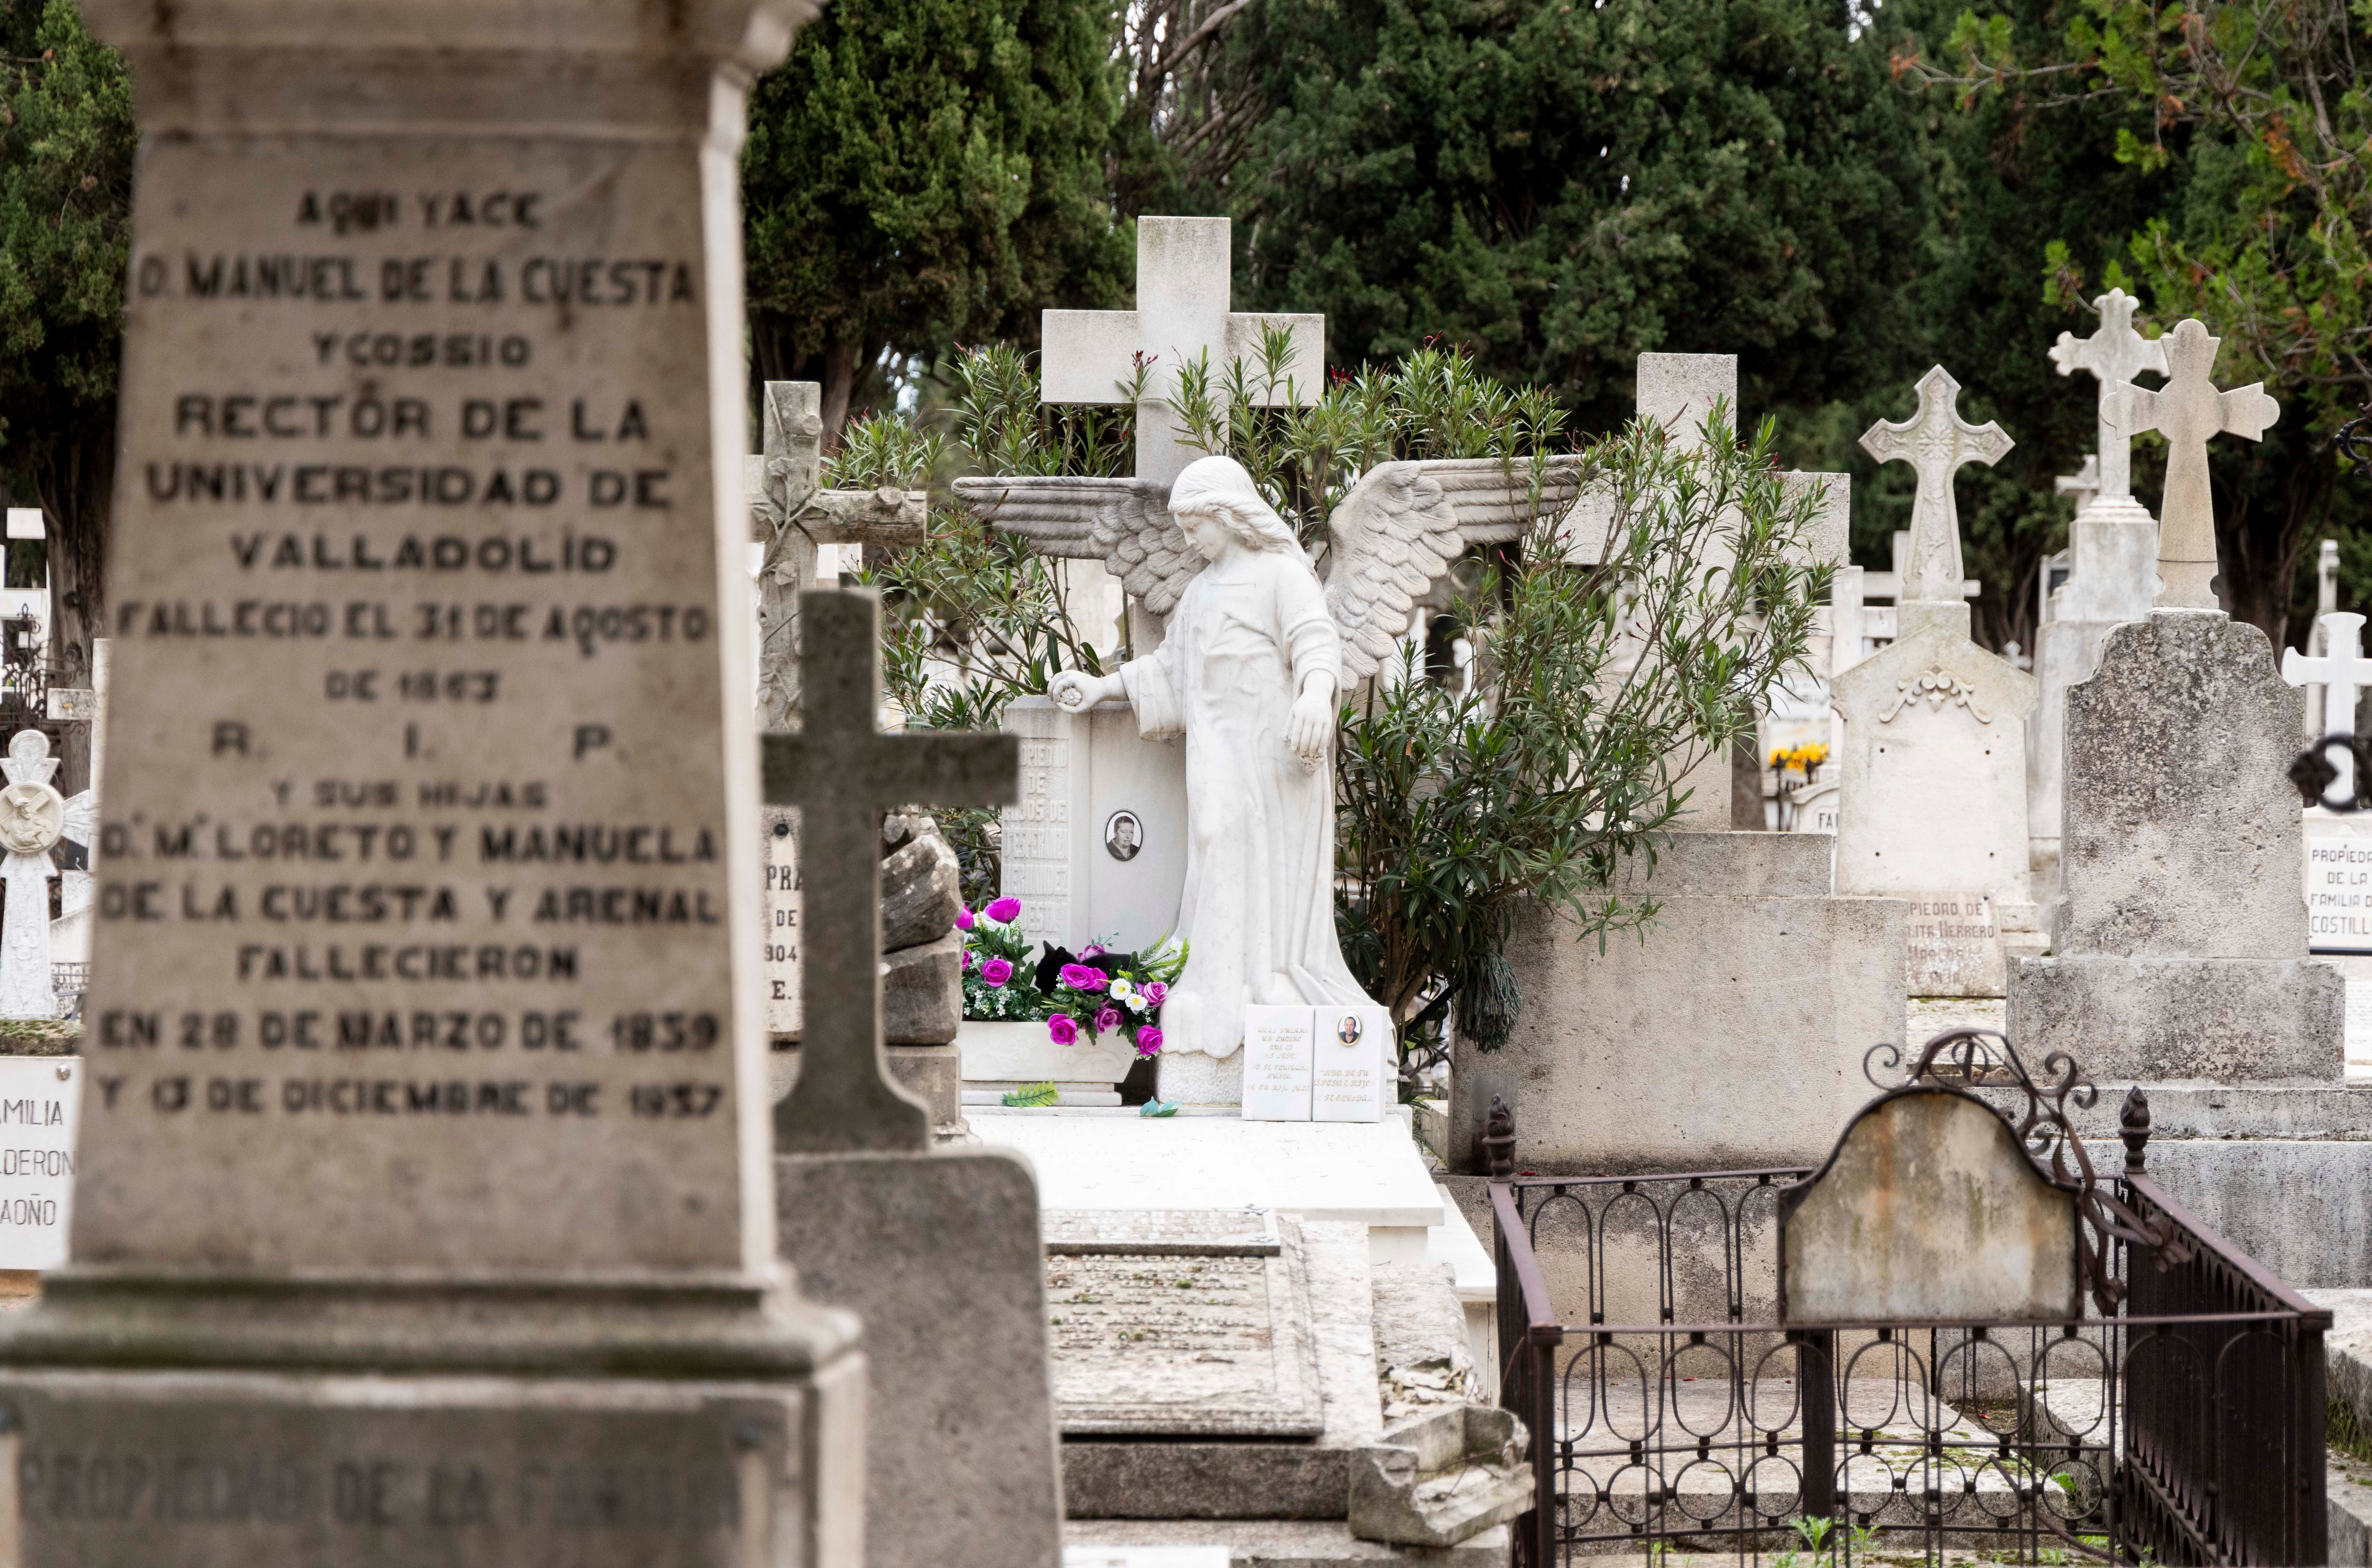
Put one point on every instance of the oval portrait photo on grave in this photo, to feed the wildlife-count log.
(1123, 835)
(1349, 1031)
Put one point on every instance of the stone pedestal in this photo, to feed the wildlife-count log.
(1931, 799)
(1729, 1035)
(939, 1255)
(2180, 947)
(446, 1234)
(2113, 577)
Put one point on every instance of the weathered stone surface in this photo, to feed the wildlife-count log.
(1279, 1543)
(238, 1468)
(934, 1075)
(939, 1255)
(1166, 1329)
(1730, 1033)
(476, 305)
(1151, 1478)
(1442, 1478)
(2229, 1020)
(920, 893)
(1928, 1208)
(2181, 833)
(922, 993)
(2302, 1209)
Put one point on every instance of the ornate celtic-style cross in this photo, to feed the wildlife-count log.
(790, 515)
(2189, 411)
(2115, 353)
(842, 773)
(1936, 441)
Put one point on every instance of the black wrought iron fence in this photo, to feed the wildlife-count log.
(1672, 1410)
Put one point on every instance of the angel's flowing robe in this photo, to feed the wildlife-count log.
(1258, 910)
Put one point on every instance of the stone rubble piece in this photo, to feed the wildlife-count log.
(1442, 1478)
(920, 893)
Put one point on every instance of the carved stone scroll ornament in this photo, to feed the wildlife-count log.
(1939, 686)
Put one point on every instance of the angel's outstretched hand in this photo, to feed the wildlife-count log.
(1075, 692)
(1312, 719)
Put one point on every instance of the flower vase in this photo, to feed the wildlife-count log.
(1000, 1058)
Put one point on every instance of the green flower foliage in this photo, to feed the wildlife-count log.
(66, 146)
(923, 170)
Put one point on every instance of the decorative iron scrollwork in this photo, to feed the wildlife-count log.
(2313, 773)
(1971, 1059)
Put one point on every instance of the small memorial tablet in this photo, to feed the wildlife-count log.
(783, 1017)
(1353, 1044)
(2338, 891)
(1277, 1063)
(40, 1100)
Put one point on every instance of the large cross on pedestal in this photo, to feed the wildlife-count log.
(2115, 353)
(2189, 411)
(1936, 441)
(2342, 671)
(842, 773)
(790, 515)
(1184, 279)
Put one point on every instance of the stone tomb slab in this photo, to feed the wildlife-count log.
(1180, 1323)
(238, 1468)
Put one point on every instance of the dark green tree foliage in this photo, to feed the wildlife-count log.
(924, 171)
(2008, 177)
(66, 146)
(1560, 184)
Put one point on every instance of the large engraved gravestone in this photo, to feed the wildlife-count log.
(424, 1213)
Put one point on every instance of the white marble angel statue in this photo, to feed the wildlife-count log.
(1255, 659)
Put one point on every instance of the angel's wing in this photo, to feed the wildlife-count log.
(1403, 524)
(82, 819)
(1124, 523)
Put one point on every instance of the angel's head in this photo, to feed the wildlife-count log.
(1215, 501)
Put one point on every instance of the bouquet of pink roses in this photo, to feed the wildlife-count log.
(1103, 990)
(998, 983)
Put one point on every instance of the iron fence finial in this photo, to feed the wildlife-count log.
(2133, 1127)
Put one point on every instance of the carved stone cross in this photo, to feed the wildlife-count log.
(2189, 411)
(2115, 353)
(33, 817)
(1936, 441)
(1184, 279)
(790, 514)
(2342, 671)
(842, 773)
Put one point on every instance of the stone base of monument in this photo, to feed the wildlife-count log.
(1192, 1079)
(933, 1074)
(1001, 1058)
(1268, 1543)
(1729, 1035)
(321, 1422)
(2285, 1172)
(2229, 1020)
(939, 1256)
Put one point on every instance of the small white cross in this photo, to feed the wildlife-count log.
(1184, 276)
(1936, 441)
(2116, 354)
(2189, 411)
(2342, 671)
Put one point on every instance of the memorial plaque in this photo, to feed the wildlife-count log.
(1353, 1081)
(1955, 946)
(1277, 1063)
(39, 1097)
(414, 885)
(2338, 891)
(1180, 1323)
(782, 958)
